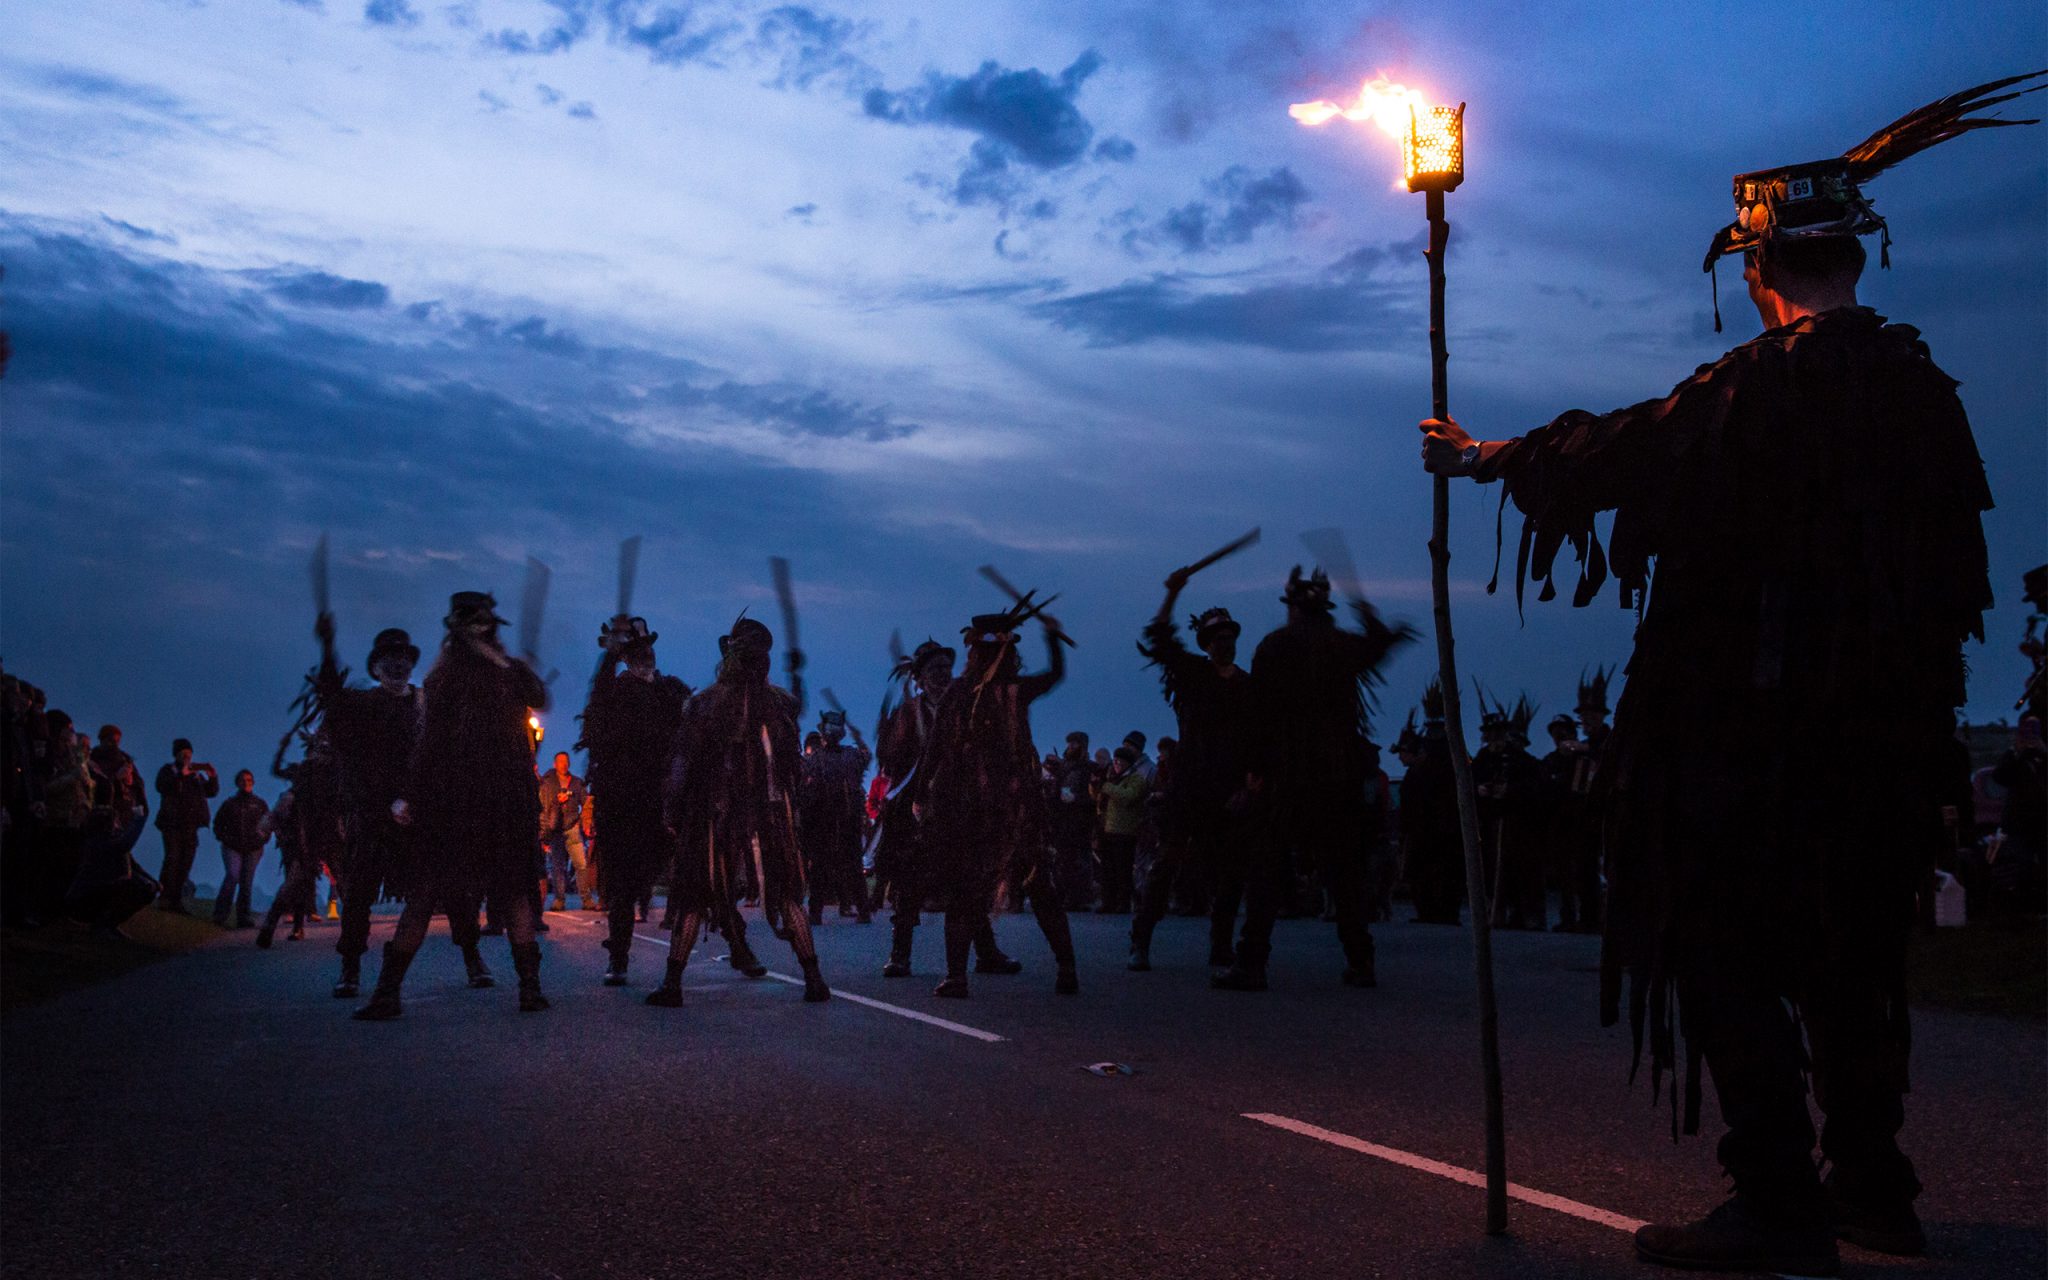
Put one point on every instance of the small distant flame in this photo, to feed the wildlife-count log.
(1380, 100)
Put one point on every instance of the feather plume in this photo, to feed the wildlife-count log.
(1934, 124)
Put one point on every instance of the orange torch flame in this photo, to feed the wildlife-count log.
(1432, 138)
(1380, 100)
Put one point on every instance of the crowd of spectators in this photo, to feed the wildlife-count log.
(72, 812)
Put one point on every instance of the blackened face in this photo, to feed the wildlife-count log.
(640, 662)
(832, 733)
(745, 664)
(936, 675)
(393, 670)
(1221, 646)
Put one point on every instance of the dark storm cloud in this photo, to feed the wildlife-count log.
(391, 13)
(319, 289)
(1239, 203)
(1345, 306)
(1019, 117)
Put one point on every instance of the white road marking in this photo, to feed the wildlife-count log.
(957, 1028)
(1423, 1164)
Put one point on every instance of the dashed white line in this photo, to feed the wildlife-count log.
(1423, 1164)
(957, 1028)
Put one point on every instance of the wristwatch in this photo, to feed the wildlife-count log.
(1469, 457)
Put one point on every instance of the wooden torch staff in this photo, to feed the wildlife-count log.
(1454, 731)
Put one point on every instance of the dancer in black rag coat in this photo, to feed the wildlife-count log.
(470, 801)
(732, 795)
(1311, 772)
(375, 737)
(1432, 843)
(1812, 501)
(1204, 803)
(900, 861)
(832, 806)
(984, 826)
(629, 729)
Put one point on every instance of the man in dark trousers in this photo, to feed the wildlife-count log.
(181, 813)
(561, 828)
(629, 728)
(732, 801)
(1812, 503)
(832, 801)
(985, 821)
(1512, 812)
(1432, 843)
(1568, 786)
(900, 857)
(1311, 772)
(242, 826)
(374, 733)
(469, 801)
(1212, 702)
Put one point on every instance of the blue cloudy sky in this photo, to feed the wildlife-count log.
(894, 290)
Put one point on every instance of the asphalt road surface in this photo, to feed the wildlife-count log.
(221, 1116)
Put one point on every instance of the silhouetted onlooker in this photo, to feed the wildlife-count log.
(185, 788)
(242, 826)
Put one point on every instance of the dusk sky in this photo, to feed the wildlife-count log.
(893, 290)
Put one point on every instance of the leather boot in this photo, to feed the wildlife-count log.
(900, 936)
(1239, 978)
(742, 957)
(526, 963)
(815, 990)
(1741, 1236)
(669, 995)
(351, 978)
(1141, 946)
(959, 935)
(1879, 1225)
(479, 972)
(988, 957)
(384, 1003)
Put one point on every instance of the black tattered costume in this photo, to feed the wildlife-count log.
(630, 723)
(374, 734)
(1204, 809)
(732, 796)
(984, 825)
(470, 798)
(1313, 769)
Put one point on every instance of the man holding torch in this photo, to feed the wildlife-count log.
(1812, 503)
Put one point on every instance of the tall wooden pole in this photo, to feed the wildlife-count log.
(1454, 730)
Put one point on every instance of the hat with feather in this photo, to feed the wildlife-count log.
(1825, 197)
(1311, 592)
(1593, 690)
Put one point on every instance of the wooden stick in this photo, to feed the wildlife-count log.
(1454, 729)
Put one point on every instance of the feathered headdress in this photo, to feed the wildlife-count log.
(1519, 719)
(1825, 197)
(1433, 703)
(1593, 689)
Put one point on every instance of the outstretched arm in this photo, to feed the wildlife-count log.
(1034, 687)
